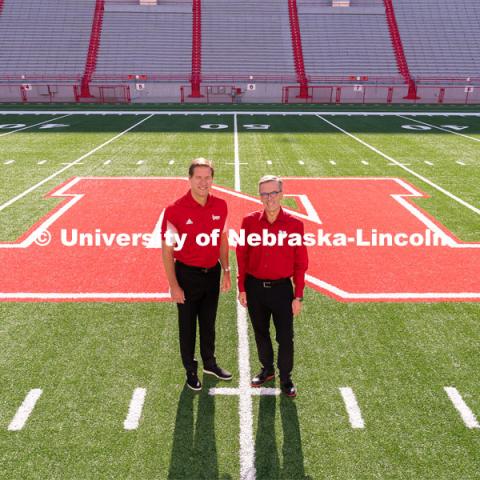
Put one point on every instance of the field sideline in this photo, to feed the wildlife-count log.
(386, 389)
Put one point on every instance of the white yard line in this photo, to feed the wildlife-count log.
(236, 391)
(244, 391)
(407, 296)
(25, 410)
(135, 409)
(9, 162)
(36, 124)
(409, 170)
(58, 172)
(467, 415)
(353, 410)
(440, 128)
(84, 296)
(247, 445)
(236, 153)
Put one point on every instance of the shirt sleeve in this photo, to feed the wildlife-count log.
(168, 228)
(300, 266)
(242, 259)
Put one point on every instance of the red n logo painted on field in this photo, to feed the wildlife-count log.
(128, 205)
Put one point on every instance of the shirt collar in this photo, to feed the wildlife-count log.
(282, 216)
(189, 201)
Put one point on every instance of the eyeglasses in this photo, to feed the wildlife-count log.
(266, 195)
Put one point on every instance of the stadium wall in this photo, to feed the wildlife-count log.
(50, 91)
(37, 93)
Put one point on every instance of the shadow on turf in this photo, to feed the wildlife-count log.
(194, 449)
(269, 465)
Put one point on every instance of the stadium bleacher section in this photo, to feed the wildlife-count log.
(45, 38)
(440, 37)
(171, 50)
(250, 38)
(145, 40)
(346, 41)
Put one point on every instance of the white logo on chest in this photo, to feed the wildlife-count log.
(189, 221)
(215, 217)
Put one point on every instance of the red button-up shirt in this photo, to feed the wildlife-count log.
(272, 262)
(187, 216)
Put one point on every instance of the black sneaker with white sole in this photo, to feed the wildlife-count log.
(264, 376)
(288, 389)
(193, 382)
(218, 372)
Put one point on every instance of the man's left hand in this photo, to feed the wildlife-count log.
(296, 307)
(226, 282)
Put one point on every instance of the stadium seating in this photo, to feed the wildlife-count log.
(292, 43)
(152, 40)
(246, 38)
(440, 37)
(353, 3)
(351, 40)
(45, 37)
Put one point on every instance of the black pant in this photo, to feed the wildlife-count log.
(264, 302)
(201, 300)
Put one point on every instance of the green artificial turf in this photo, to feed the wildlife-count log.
(89, 357)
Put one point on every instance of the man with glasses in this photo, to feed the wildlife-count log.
(265, 274)
(193, 271)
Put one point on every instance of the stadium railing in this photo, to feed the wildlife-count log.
(399, 51)
(387, 94)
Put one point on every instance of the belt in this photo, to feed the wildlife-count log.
(270, 283)
(197, 269)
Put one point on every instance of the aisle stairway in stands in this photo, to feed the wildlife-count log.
(91, 62)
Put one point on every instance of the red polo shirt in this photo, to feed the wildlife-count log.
(187, 216)
(272, 262)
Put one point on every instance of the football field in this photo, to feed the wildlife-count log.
(386, 348)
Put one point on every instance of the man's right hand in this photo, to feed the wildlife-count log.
(177, 294)
(242, 298)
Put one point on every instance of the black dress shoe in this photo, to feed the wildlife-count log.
(218, 372)
(288, 388)
(193, 382)
(265, 375)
